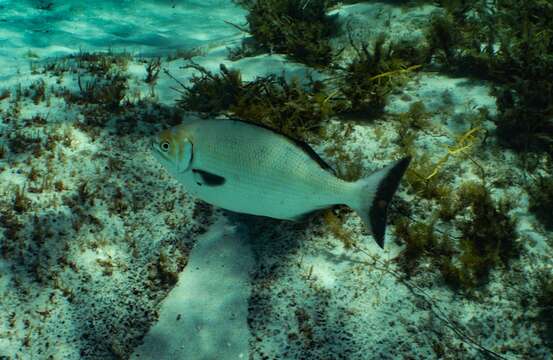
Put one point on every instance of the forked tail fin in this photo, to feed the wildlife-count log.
(374, 195)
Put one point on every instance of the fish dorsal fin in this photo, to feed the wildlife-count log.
(312, 154)
(302, 145)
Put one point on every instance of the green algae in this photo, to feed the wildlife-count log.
(485, 238)
(374, 73)
(292, 108)
(509, 43)
(300, 29)
(540, 193)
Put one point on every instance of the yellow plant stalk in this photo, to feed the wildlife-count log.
(394, 72)
(464, 143)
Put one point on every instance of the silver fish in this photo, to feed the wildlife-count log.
(251, 169)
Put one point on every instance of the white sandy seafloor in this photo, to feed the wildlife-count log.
(110, 258)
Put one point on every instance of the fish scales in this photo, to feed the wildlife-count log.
(261, 161)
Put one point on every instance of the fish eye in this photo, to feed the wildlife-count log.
(164, 146)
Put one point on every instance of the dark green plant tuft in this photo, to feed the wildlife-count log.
(417, 178)
(101, 79)
(541, 200)
(21, 202)
(210, 93)
(374, 74)
(418, 238)
(487, 238)
(511, 43)
(544, 303)
(443, 38)
(38, 91)
(463, 40)
(292, 108)
(298, 28)
(153, 66)
(488, 235)
(107, 91)
(100, 63)
(525, 119)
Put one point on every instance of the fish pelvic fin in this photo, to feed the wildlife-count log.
(374, 194)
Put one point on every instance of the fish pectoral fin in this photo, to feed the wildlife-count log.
(203, 177)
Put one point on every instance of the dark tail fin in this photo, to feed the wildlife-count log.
(375, 194)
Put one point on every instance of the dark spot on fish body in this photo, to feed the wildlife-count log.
(207, 178)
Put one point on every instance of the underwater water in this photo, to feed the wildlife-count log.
(224, 180)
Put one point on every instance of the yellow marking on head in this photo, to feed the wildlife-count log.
(166, 137)
(179, 132)
(179, 137)
(173, 149)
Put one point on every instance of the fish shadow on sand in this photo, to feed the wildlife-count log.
(280, 298)
(280, 237)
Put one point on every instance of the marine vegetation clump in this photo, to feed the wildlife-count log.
(488, 235)
(429, 178)
(101, 79)
(153, 66)
(38, 91)
(524, 66)
(511, 43)
(292, 108)
(422, 241)
(481, 237)
(21, 202)
(345, 162)
(374, 74)
(525, 115)
(21, 141)
(335, 224)
(211, 93)
(451, 45)
(412, 121)
(541, 200)
(100, 63)
(544, 304)
(419, 181)
(11, 226)
(298, 28)
(107, 91)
